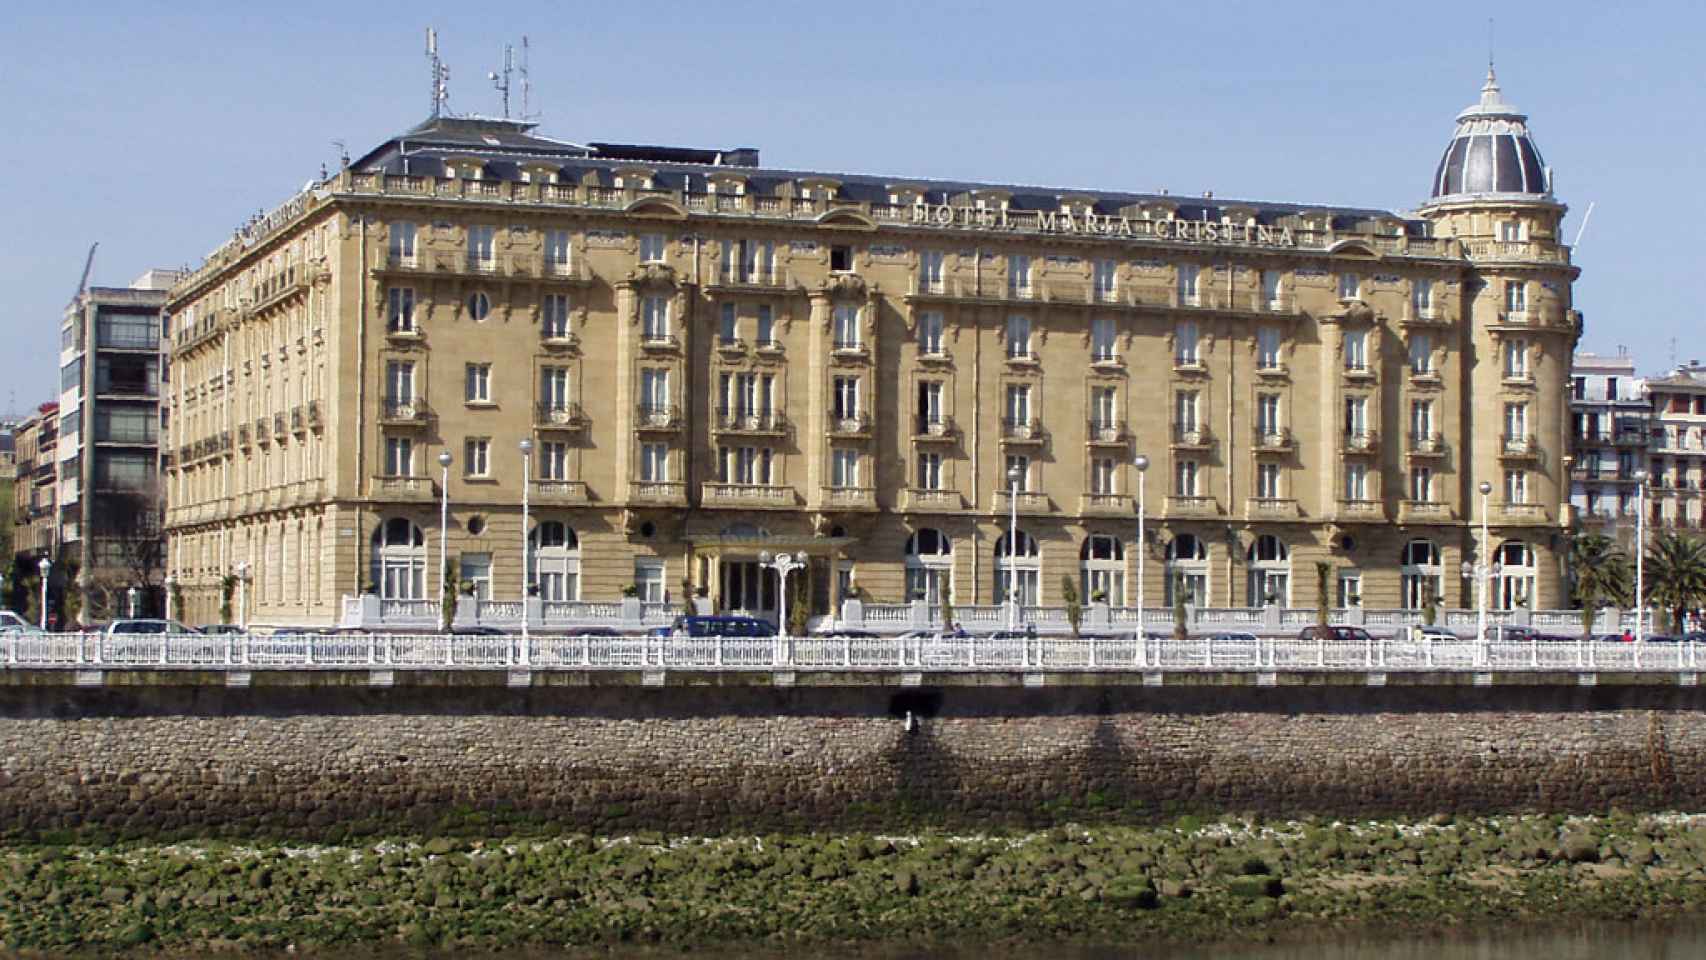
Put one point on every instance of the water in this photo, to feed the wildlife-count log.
(1627, 942)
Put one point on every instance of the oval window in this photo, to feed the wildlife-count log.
(479, 306)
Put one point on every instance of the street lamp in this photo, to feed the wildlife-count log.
(171, 581)
(46, 567)
(1483, 562)
(243, 595)
(526, 446)
(1014, 475)
(131, 596)
(1640, 558)
(443, 521)
(783, 564)
(1141, 462)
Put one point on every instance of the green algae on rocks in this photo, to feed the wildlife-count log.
(1191, 882)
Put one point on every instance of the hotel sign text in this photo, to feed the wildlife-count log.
(1084, 223)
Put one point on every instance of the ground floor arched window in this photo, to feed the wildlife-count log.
(1018, 569)
(399, 560)
(1186, 570)
(929, 566)
(1102, 566)
(1420, 577)
(1269, 577)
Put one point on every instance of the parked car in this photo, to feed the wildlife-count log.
(147, 626)
(11, 623)
(716, 627)
(1421, 633)
(477, 632)
(590, 632)
(222, 629)
(1339, 633)
(1512, 634)
(1232, 636)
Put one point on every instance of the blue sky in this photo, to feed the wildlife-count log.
(156, 128)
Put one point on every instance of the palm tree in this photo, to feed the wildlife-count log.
(1676, 575)
(1600, 573)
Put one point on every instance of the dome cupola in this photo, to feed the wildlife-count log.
(1491, 154)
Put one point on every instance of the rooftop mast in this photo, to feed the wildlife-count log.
(501, 81)
(440, 75)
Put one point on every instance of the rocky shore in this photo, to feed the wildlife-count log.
(1189, 881)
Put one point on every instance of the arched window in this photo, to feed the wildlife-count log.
(1514, 587)
(1103, 566)
(1420, 576)
(929, 566)
(1187, 570)
(554, 561)
(399, 560)
(1269, 573)
(1018, 576)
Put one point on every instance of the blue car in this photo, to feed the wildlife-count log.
(716, 627)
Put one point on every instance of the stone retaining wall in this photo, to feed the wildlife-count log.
(302, 758)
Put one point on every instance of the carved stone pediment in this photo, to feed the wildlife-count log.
(652, 275)
(844, 286)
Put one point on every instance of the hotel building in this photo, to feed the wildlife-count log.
(711, 359)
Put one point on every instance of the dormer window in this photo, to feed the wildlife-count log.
(1512, 231)
(841, 259)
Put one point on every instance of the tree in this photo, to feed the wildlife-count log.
(1600, 574)
(1676, 575)
(1181, 630)
(128, 522)
(1074, 603)
(447, 596)
(1323, 573)
(1430, 601)
(798, 615)
(947, 609)
(227, 587)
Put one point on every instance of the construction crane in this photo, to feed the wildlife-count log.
(88, 264)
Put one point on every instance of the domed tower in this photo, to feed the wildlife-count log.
(1516, 333)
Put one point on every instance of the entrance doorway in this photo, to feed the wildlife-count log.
(747, 589)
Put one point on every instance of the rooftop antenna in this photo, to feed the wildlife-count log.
(501, 81)
(1584, 227)
(526, 83)
(440, 75)
(1489, 45)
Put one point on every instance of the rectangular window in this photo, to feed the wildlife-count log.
(553, 460)
(557, 251)
(1019, 276)
(846, 327)
(1185, 410)
(654, 390)
(1268, 414)
(554, 316)
(1018, 404)
(1421, 354)
(929, 471)
(1579, 389)
(1102, 276)
(654, 462)
(1268, 481)
(554, 388)
(400, 309)
(1103, 474)
(930, 333)
(930, 270)
(929, 404)
(1102, 339)
(399, 382)
(1516, 297)
(477, 383)
(841, 259)
(1185, 478)
(127, 331)
(846, 398)
(648, 581)
(844, 467)
(1018, 336)
(1516, 421)
(1356, 481)
(728, 331)
(655, 315)
(1185, 344)
(399, 457)
(1271, 289)
(1267, 348)
(1516, 486)
(402, 243)
(1356, 350)
(1350, 286)
(476, 457)
(1018, 465)
(1421, 421)
(1356, 416)
(1422, 484)
(1350, 588)
(766, 326)
(652, 247)
(1422, 298)
(476, 571)
(1516, 359)
(1189, 286)
(1510, 231)
(482, 254)
(1104, 407)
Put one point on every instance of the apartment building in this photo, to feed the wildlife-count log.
(1678, 405)
(1611, 428)
(683, 360)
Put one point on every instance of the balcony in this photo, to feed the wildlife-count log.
(849, 424)
(1022, 431)
(850, 350)
(653, 418)
(1359, 444)
(1271, 508)
(1519, 447)
(404, 489)
(751, 423)
(315, 420)
(1427, 445)
(848, 498)
(654, 341)
(559, 339)
(559, 417)
(925, 501)
(280, 428)
(400, 413)
(657, 493)
(569, 492)
(1423, 511)
(1633, 438)
(1022, 358)
(1191, 437)
(731, 347)
(1029, 502)
(1105, 433)
(1521, 512)
(758, 495)
(1192, 506)
(298, 421)
(927, 429)
(1274, 440)
(263, 431)
(1106, 505)
(1361, 511)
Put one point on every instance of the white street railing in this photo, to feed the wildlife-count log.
(1123, 652)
